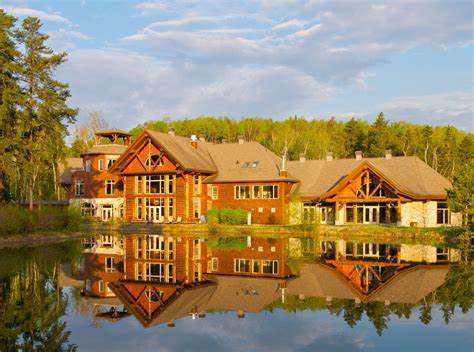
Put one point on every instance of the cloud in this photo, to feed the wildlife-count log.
(64, 39)
(150, 8)
(45, 16)
(290, 24)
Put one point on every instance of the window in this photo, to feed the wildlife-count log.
(138, 184)
(109, 187)
(88, 166)
(155, 247)
(170, 272)
(154, 160)
(100, 165)
(139, 208)
(214, 192)
(170, 207)
(109, 264)
(139, 271)
(214, 264)
(242, 192)
(79, 188)
(87, 209)
(197, 208)
(197, 249)
(110, 162)
(442, 214)
(88, 285)
(170, 248)
(155, 272)
(197, 185)
(270, 192)
(155, 184)
(245, 165)
(350, 213)
(256, 266)
(254, 164)
(255, 192)
(270, 267)
(101, 285)
(107, 241)
(171, 179)
(139, 248)
(442, 254)
(154, 296)
(242, 265)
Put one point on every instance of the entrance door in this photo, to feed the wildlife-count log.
(107, 212)
(371, 215)
(154, 213)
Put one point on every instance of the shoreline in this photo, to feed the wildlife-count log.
(329, 232)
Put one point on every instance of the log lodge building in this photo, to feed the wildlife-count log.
(164, 178)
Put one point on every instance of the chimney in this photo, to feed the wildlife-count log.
(224, 141)
(388, 154)
(171, 323)
(241, 140)
(202, 137)
(302, 157)
(359, 155)
(329, 156)
(171, 131)
(240, 314)
(283, 171)
(194, 141)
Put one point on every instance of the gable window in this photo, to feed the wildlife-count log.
(154, 160)
(79, 188)
(109, 187)
(88, 166)
(442, 214)
(110, 162)
(242, 192)
(109, 264)
(155, 184)
(214, 192)
(100, 165)
(270, 192)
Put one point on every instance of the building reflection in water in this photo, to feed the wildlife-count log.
(160, 279)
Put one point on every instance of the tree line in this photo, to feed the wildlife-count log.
(33, 112)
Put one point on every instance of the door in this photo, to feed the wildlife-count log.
(107, 212)
(371, 215)
(154, 213)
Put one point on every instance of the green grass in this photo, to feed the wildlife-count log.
(22, 221)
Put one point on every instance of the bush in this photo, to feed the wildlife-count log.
(17, 220)
(227, 243)
(226, 216)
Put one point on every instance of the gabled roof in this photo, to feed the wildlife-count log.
(231, 159)
(409, 174)
(108, 149)
(66, 169)
(180, 148)
(110, 131)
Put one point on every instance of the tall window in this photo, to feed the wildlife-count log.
(138, 184)
(214, 192)
(100, 165)
(256, 192)
(155, 184)
(79, 188)
(139, 209)
(197, 185)
(270, 192)
(170, 207)
(109, 264)
(88, 166)
(442, 214)
(109, 187)
(242, 192)
(171, 179)
(197, 208)
(155, 272)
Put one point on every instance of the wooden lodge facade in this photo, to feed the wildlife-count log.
(164, 178)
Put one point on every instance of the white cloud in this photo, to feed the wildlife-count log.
(64, 39)
(290, 24)
(45, 16)
(150, 8)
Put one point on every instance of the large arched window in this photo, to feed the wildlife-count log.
(153, 160)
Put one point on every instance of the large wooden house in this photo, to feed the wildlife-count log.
(165, 178)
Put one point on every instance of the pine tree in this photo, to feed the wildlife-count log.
(378, 139)
(45, 112)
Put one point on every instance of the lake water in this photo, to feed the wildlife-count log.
(162, 293)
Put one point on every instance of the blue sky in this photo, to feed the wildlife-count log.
(137, 61)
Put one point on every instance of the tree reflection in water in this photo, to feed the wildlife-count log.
(31, 302)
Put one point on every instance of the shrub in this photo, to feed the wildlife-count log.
(227, 216)
(227, 243)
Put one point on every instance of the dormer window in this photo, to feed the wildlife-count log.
(154, 160)
(254, 164)
(245, 165)
(250, 164)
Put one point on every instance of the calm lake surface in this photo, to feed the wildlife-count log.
(167, 293)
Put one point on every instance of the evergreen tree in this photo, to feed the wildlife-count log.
(45, 112)
(378, 138)
(354, 137)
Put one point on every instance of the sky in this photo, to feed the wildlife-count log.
(138, 61)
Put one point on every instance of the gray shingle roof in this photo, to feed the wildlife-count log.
(65, 169)
(109, 149)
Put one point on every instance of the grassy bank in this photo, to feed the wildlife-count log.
(17, 221)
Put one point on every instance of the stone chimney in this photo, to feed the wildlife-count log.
(171, 131)
(202, 137)
(388, 154)
(193, 140)
(329, 156)
(358, 155)
(241, 140)
(302, 157)
(283, 171)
